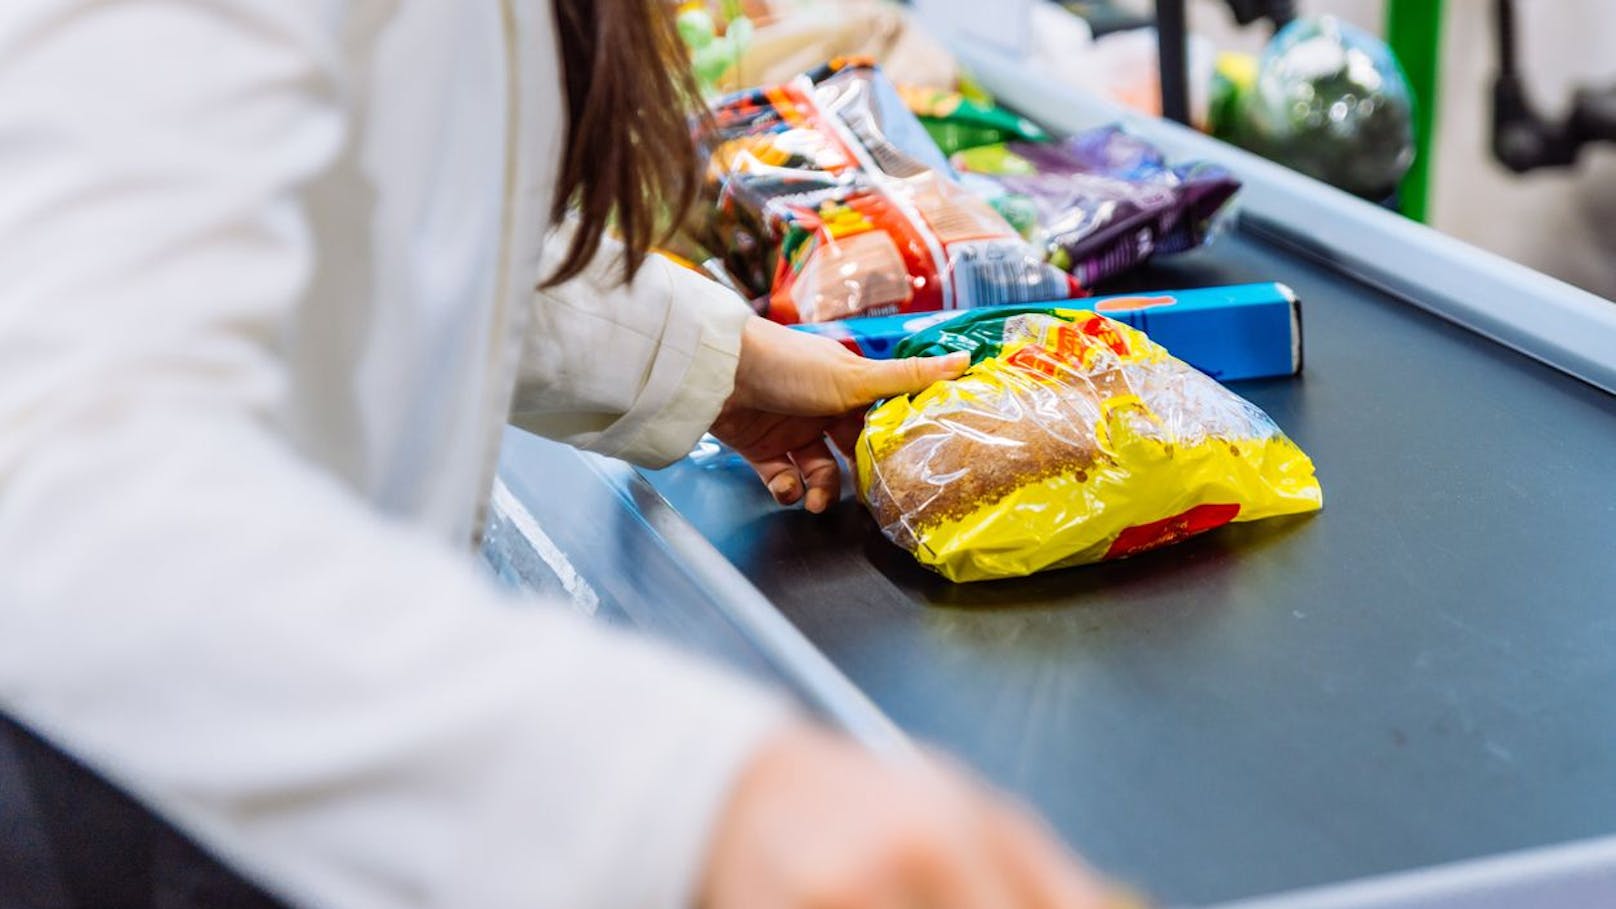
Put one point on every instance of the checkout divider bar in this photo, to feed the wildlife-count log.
(1548, 320)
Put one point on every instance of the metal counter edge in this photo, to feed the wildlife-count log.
(798, 660)
(1568, 876)
(723, 589)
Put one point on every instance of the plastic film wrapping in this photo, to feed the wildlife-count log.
(1102, 201)
(1072, 439)
(829, 200)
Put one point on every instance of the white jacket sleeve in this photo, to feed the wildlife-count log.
(341, 708)
(636, 371)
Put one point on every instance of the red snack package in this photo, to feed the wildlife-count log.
(829, 200)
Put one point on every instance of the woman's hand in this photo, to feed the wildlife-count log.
(793, 391)
(816, 822)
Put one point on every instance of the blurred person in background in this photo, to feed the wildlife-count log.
(273, 274)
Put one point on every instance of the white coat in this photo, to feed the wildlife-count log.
(267, 274)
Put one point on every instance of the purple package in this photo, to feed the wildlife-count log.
(1102, 201)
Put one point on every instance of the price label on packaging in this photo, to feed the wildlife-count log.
(1003, 24)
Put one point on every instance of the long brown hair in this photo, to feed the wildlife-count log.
(630, 163)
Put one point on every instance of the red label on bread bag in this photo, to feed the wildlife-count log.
(1144, 537)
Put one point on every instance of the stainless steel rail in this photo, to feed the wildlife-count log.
(592, 531)
(802, 665)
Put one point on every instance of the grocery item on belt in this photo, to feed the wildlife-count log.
(1072, 438)
(1244, 331)
(1103, 201)
(956, 122)
(829, 200)
(1327, 99)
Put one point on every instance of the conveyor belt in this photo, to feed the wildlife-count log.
(1424, 672)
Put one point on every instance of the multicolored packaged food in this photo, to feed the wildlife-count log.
(1242, 331)
(1101, 201)
(956, 122)
(1073, 439)
(829, 200)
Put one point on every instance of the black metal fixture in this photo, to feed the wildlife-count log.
(1524, 139)
(1172, 45)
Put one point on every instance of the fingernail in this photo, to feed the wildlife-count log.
(784, 489)
(818, 500)
(957, 362)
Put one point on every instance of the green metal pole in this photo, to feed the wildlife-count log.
(1414, 31)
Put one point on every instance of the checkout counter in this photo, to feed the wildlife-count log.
(1407, 700)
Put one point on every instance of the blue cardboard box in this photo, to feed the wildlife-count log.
(1244, 331)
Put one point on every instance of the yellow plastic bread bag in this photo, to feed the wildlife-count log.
(1072, 438)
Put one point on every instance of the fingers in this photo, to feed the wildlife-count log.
(885, 378)
(972, 879)
(1017, 861)
(1042, 874)
(815, 823)
(780, 475)
(845, 433)
(820, 473)
(790, 372)
(809, 471)
(937, 853)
